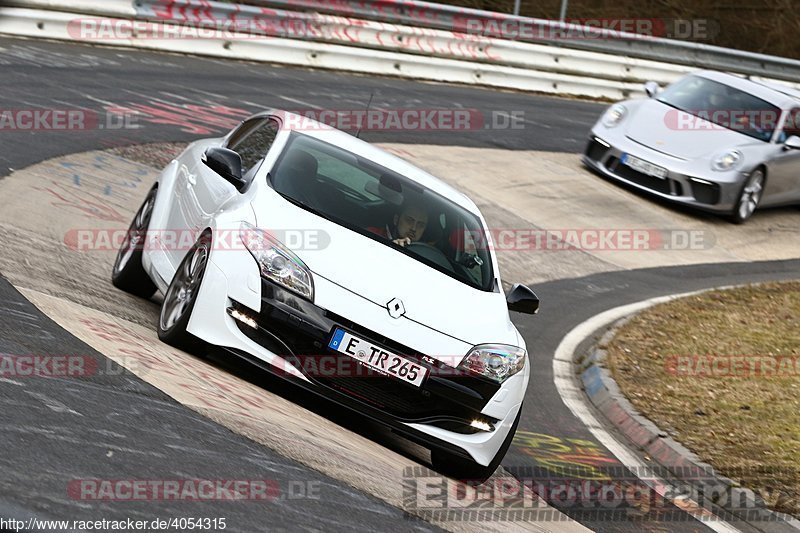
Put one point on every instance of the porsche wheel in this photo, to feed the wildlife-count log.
(750, 197)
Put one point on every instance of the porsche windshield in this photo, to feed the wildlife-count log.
(384, 206)
(722, 105)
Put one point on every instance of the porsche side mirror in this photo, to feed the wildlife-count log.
(793, 142)
(227, 164)
(522, 300)
(651, 88)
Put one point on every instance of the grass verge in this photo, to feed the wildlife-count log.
(720, 372)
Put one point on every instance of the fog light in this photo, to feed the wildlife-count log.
(480, 424)
(243, 318)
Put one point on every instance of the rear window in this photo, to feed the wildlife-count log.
(384, 206)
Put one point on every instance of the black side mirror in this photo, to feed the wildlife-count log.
(522, 300)
(227, 164)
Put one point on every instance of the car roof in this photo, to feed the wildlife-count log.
(789, 91)
(326, 133)
(781, 96)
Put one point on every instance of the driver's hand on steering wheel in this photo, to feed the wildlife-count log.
(405, 241)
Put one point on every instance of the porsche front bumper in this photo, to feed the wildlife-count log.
(685, 183)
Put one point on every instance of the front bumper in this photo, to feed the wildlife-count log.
(709, 191)
(289, 336)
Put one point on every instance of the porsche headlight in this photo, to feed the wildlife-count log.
(495, 361)
(727, 160)
(276, 262)
(614, 115)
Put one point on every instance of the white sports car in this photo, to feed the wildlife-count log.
(345, 269)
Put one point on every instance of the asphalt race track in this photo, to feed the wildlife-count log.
(118, 426)
(56, 76)
(113, 425)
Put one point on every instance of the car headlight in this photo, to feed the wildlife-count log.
(727, 160)
(614, 115)
(276, 262)
(495, 361)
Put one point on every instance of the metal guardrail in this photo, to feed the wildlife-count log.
(349, 31)
(61, 25)
(355, 44)
(420, 14)
(453, 18)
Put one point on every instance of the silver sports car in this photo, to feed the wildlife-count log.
(710, 140)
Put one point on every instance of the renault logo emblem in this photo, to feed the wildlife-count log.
(396, 308)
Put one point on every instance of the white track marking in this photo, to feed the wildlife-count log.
(52, 403)
(300, 102)
(100, 101)
(575, 400)
(213, 95)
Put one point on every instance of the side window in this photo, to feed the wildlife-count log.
(243, 130)
(791, 126)
(253, 140)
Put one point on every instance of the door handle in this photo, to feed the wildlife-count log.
(192, 180)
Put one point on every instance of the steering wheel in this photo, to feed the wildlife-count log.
(431, 253)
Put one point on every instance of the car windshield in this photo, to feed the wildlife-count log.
(724, 106)
(385, 206)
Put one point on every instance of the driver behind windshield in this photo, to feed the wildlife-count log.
(407, 226)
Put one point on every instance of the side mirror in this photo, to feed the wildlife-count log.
(793, 142)
(522, 300)
(651, 88)
(227, 164)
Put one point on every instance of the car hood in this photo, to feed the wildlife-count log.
(369, 270)
(679, 134)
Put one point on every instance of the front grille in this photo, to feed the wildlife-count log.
(639, 178)
(390, 395)
(595, 150)
(707, 193)
(302, 339)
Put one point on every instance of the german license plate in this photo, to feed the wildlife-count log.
(643, 166)
(377, 358)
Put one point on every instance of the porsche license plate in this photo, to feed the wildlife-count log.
(377, 358)
(643, 166)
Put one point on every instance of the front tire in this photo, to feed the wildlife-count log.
(128, 273)
(180, 298)
(750, 197)
(463, 469)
